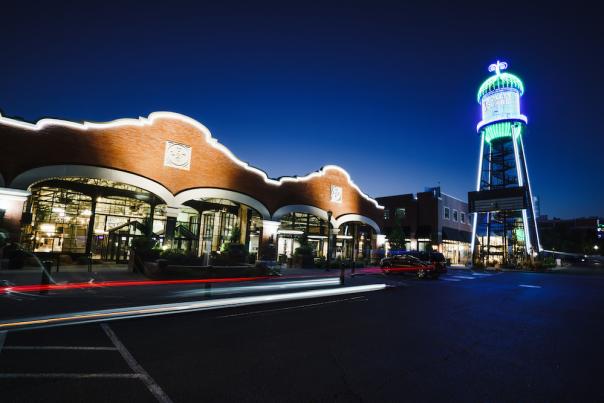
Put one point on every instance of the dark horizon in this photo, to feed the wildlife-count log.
(387, 92)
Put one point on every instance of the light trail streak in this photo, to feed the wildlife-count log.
(322, 282)
(166, 309)
(25, 288)
(103, 284)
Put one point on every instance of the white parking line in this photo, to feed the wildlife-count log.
(68, 375)
(529, 286)
(60, 348)
(153, 387)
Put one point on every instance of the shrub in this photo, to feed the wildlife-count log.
(549, 262)
(172, 256)
(304, 248)
(3, 237)
(320, 262)
(146, 248)
(268, 252)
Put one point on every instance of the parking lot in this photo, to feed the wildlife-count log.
(466, 336)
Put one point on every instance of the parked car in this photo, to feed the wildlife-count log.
(407, 264)
(435, 258)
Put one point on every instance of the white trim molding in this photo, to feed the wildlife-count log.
(357, 217)
(270, 228)
(28, 178)
(13, 194)
(213, 142)
(214, 193)
(518, 117)
(172, 211)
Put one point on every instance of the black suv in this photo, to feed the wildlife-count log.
(435, 258)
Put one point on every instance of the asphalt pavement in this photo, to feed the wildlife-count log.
(468, 336)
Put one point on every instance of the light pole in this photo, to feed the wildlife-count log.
(328, 260)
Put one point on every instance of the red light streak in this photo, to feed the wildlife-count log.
(103, 284)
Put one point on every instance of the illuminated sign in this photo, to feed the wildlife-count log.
(501, 104)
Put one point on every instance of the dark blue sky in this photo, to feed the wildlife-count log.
(386, 90)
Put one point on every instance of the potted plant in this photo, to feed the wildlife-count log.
(303, 255)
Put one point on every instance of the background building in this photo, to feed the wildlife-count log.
(80, 188)
(577, 235)
(431, 218)
(505, 227)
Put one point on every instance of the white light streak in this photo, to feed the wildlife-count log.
(287, 285)
(168, 309)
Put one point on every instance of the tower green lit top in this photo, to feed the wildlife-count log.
(499, 81)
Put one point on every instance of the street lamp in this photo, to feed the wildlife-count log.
(328, 260)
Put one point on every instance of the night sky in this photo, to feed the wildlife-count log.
(385, 90)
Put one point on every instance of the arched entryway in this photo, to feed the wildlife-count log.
(80, 216)
(356, 238)
(298, 227)
(213, 223)
(355, 241)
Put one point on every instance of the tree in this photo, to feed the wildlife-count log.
(396, 238)
(232, 239)
(235, 235)
(304, 248)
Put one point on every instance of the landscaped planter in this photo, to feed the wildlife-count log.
(165, 270)
(303, 261)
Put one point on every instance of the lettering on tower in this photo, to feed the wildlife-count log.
(501, 104)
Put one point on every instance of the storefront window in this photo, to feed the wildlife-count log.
(295, 225)
(60, 210)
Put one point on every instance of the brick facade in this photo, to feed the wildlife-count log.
(138, 147)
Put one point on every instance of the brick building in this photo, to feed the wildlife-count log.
(80, 188)
(431, 218)
(576, 235)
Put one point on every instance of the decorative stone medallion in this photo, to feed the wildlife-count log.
(336, 194)
(177, 156)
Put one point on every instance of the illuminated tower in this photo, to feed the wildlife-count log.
(504, 228)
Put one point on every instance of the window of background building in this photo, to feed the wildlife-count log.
(455, 215)
(462, 218)
(447, 213)
(400, 212)
(386, 214)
